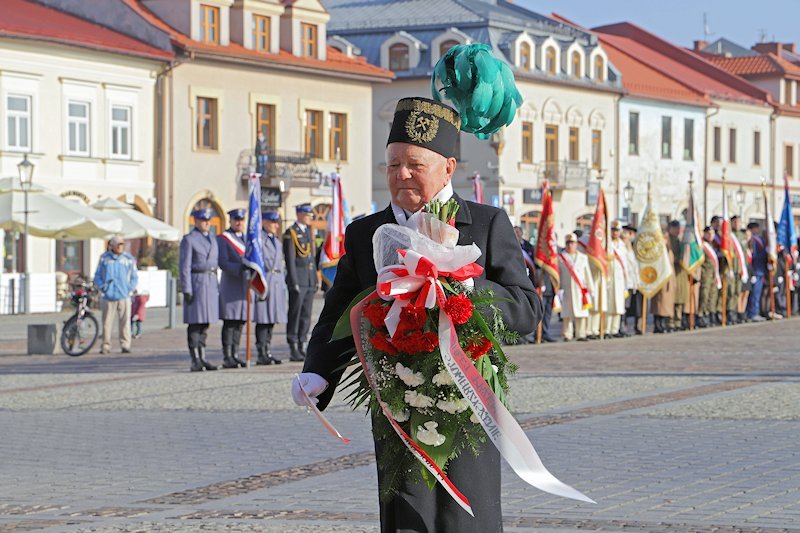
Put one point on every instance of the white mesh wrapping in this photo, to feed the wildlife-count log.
(429, 237)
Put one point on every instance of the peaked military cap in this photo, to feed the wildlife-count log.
(237, 214)
(427, 123)
(303, 208)
(271, 216)
(204, 213)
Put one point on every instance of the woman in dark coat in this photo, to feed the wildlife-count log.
(272, 310)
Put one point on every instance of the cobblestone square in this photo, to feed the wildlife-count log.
(683, 432)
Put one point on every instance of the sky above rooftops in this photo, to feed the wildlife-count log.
(744, 22)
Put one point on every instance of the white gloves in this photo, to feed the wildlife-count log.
(313, 384)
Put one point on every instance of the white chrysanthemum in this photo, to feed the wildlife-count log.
(401, 416)
(474, 419)
(496, 370)
(408, 376)
(429, 435)
(415, 399)
(454, 406)
(443, 378)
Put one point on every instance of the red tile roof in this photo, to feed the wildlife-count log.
(755, 66)
(639, 79)
(336, 61)
(693, 71)
(29, 20)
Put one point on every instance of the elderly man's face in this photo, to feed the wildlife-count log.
(415, 174)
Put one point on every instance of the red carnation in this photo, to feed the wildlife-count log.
(381, 342)
(411, 318)
(478, 347)
(459, 308)
(427, 342)
(416, 342)
(376, 314)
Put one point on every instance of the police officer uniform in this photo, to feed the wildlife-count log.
(198, 278)
(271, 310)
(299, 250)
(233, 292)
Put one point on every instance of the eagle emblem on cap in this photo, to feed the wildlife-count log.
(421, 127)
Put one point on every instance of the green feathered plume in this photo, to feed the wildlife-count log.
(480, 87)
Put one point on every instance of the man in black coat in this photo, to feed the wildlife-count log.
(420, 165)
(299, 251)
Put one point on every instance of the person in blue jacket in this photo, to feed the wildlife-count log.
(116, 279)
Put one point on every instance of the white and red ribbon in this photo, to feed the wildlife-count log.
(309, 403)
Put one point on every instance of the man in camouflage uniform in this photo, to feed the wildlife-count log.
(733, 285)
(680, 319)
(708, 286)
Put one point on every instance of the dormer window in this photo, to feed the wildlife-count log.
(577, 68)
(599, 68)
(309, 40)
(447, 45)
(525, 56)
(550, 60)
(209, 24)
(261, 33)
(398, 57)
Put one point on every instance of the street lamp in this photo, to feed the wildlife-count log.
(25, 169)
(627, 195)
(740, 197)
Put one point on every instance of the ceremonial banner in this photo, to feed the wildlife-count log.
(655, 268)
(772, 236)
(691, 244)
(787, 233)
(333, 248)
(546, 255)
(254, 256)
(725, 244)
(597, 244)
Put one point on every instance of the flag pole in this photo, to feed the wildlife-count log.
(788, 273)
(691, 302)
(539, 327)
(644, 315)
(249, 340)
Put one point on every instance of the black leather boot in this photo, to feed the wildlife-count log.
(235, 356)
(301, 349)
(685, 322)
(262, 358)
(294, 353)
(732, 318)
(700, 322)
(197, 365)
(227, 357)
(271, 357)
(201, 354)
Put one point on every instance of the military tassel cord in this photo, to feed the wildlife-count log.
(300, 249)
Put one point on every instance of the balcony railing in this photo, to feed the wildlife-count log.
(564, 174)
(295, 169)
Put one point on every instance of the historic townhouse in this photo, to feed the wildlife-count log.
(775, 68)
(77, 99)
(565, 128)
(738, 125)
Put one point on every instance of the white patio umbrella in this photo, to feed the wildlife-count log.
(50, 215)
(135, 224)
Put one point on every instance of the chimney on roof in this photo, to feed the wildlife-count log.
(789, 47)
(700, 45)
(768, 48)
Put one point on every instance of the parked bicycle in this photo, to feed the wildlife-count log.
(80, 330)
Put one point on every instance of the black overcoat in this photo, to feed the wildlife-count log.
(416, 508)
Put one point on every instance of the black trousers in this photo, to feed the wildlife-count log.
(300, 303)
(264, 334)
(418, 509)
(547, 303)
(232, 332)
(196, 335)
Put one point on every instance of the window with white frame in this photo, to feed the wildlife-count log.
(120, 132)
(18, 131)
(78, 128)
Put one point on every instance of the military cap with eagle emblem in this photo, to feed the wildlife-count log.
(427, 123)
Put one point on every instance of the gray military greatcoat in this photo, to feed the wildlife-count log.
(198, 276)
(273, 309)
(232, 283)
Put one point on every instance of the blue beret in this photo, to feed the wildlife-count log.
(270, 215)
(303, 208)
(204, 213)
(237, 214)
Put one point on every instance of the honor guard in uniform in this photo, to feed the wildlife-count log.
(575, 275)
(708, 286)
(680, 314)
(299, 251)
(618, 281)
(733, 286)
(272, 310)
(233, 288)
(198, 278)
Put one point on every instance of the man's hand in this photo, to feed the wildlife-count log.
(188, 298)
(313, 384)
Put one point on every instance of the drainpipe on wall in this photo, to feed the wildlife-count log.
(707, 158)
